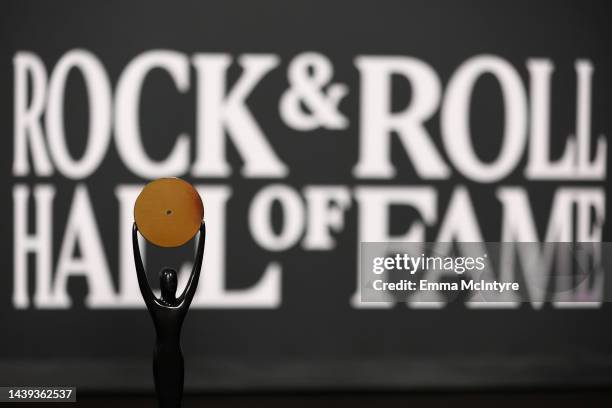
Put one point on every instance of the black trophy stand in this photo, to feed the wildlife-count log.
(168, 313)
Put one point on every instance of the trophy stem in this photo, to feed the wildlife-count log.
(168, 313)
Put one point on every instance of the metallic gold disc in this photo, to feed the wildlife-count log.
(168, 212)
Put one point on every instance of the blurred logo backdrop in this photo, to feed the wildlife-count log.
(307, 127)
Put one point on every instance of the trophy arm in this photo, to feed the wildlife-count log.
(192, 284)
(145, 289)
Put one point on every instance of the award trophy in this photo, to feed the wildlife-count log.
(168, 213)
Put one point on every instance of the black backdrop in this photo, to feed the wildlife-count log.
(315, 339)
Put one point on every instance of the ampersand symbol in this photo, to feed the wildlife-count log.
(308, 74)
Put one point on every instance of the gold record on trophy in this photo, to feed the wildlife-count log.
(168, 212)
